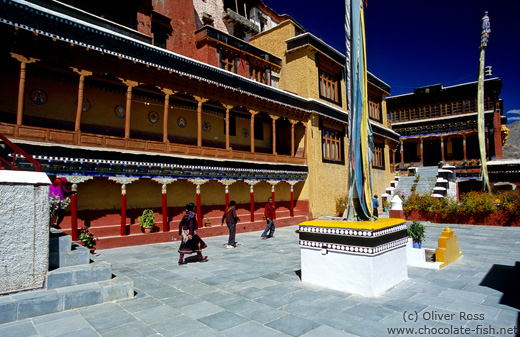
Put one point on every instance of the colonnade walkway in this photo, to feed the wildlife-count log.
(255, 290)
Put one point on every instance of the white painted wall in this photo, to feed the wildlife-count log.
(24, 230)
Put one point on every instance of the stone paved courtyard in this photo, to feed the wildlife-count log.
(255, 290)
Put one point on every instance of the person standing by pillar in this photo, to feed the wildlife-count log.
(231, 218)
(269, 217)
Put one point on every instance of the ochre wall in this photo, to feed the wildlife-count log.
(61, 99)
(326, 182)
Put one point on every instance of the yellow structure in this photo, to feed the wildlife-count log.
(448, 250)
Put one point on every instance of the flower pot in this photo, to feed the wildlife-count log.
(417, 244)
(207, 224)
(92, 250)
(147, 230)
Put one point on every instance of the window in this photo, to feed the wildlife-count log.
(328, 86)
(331, 145)
(227, 61)
(374, 109)
(160, 35)
(256, 73)
(435, 111)
(378, 161)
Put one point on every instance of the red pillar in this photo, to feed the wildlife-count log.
(199, 210)
(74, 216)
(164, 213)
(123, 214)
(292, 202)
(274, 205)
(252, 206)
(227, 199)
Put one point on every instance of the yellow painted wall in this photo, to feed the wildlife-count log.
(326, 182)
(9, 88)
(61, 99)
(145, 193)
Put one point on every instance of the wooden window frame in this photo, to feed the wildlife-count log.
(329, 86)
(332, 146)
(374, 109)
(379, 156)
(227, 60)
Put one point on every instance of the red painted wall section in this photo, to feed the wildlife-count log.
(144, 19)
(207, 53)
(243, 67)
(182, 15)
(497, 125)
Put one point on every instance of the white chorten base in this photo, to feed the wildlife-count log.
(357, 274)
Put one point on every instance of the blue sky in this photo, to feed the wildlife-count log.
(414, 43)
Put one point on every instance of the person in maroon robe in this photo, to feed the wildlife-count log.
(190, 241)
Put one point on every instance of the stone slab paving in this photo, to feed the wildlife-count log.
(254, 290)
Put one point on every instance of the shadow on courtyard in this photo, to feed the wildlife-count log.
(505, 279)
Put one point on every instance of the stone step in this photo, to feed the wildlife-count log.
(74, 275)
(77, 255)
(42, 302)
(59, 241)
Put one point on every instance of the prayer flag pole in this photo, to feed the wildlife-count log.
(480, 103)
(361, 147)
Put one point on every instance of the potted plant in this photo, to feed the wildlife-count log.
(465, 163)
(147, 220)
(441, 163)
(416, 232)
(87, 238)
(207, 222)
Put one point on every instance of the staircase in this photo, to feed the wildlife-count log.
(426, 183)
(72, 282)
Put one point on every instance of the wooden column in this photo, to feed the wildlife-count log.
(123, 181)
(252, 129)
(464, 146)
(166, 112)
(130, 85)
(402, 155)
(392, 161)
(252, 183)
(74, 180)
(305, 141)
(442, 148)
(198, 182)
(274, 118)
(200, 101)
(21, 85)
(228, 108)
(293, 123)
(79, 108)
(164, 182)
(422, 152)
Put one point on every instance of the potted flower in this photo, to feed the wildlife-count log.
(441, 163)
(147, 220)
(207, 222)
(465, 163)
(416, 232)
(87, 238)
